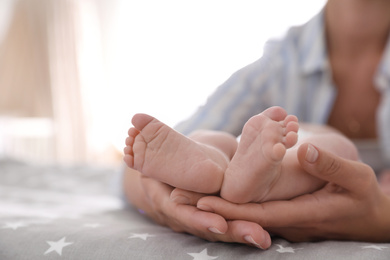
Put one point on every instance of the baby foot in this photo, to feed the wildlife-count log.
(256, 165)
(160, 152)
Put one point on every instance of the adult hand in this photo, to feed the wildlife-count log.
(350, 207)
(153, 198)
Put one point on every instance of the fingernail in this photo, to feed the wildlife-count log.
(205, 208)
(311, 154)
(181, 200)
(215, 230)
(267, 241)
(250, 240)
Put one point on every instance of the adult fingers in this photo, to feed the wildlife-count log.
(237, 231)
(252, 212)
(189, 219)
(241, 231)
(310, 208)
(350, 175)
(179, 217)
(185, 197)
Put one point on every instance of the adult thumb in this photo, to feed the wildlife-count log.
(332, 168)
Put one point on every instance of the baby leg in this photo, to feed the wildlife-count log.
(257, 163)
(160, 152)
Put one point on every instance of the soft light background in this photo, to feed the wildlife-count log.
(73, 72)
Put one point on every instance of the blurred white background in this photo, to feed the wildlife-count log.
(89, 65)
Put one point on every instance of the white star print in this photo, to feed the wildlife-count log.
(141, 236)
(14, 225)
(57, 246)
(202, 255)
(283, 249)
(377, 247)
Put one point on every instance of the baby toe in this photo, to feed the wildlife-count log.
(132, 132)
(129, 141)
(292, 127)
(278, 152)
(290, 139)
(129, 160)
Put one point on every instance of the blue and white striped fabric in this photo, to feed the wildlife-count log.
(293, 73)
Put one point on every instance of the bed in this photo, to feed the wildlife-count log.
(73, 212)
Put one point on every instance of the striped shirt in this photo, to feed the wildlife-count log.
(293, 73)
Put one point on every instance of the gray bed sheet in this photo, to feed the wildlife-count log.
(58, 212)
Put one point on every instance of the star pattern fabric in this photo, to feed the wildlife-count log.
(283, 249)
(202, 255)
(37, 222)
(143, 236)
(57, 246)
(14, 225)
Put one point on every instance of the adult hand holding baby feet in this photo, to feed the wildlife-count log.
(203, 162)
